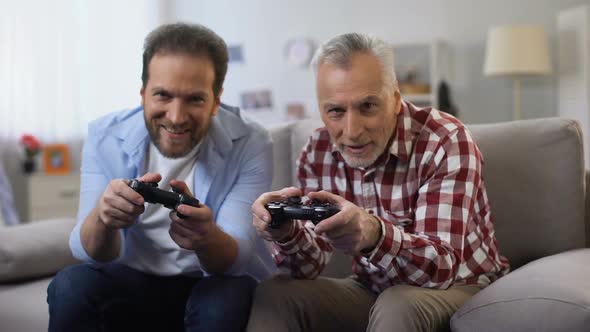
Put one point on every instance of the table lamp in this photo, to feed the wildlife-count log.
(517, 51)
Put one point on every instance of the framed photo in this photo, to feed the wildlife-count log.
(236, 54)
(256, 100)
(56, 158)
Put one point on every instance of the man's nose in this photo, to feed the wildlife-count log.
(353, 125)
(177, 113)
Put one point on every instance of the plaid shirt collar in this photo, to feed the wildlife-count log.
(402, 143)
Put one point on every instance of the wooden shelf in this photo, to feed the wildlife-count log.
(45, 196)
(428, 63)
(418, 98)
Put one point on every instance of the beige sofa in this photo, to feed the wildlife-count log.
(535, 177)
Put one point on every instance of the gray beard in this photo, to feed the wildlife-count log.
(357, 162)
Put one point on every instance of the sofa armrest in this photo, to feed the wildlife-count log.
(35, 249)
(549, 294)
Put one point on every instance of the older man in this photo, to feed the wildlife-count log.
(414, 213)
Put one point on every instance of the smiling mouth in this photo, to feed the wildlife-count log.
(175, 133)
(356, 149)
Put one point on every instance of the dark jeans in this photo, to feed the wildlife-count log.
(115, 297)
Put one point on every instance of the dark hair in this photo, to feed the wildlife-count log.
(191, 39)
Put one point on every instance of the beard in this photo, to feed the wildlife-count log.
(177, 149)
(360, 162)
(379, 148)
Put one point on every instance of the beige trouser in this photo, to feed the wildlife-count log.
(326, 304)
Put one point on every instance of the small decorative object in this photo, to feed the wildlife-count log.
(236, 55)
(56, 158)
(295, 111)
(32, 148)
(299, 51)
(257, 100)
(410, 83)
(445, 102)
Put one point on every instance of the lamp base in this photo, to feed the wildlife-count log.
(517, 115)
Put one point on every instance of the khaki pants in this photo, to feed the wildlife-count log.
(326, 304)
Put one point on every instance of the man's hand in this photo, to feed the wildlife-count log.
(117, 208)
(352, 230)
(119, 205)
(261, 216)
(193, 231)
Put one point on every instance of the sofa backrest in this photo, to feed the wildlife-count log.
(534, 174)
(533, 171)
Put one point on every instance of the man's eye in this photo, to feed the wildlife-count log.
(369, 105)
(196, 100)
(162, 95)
(336, 113)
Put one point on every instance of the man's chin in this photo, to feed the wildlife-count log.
(358, 162)
(173, 152)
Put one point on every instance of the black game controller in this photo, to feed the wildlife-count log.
(292, 208)
(170, 199)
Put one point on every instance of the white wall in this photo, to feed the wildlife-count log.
(64, 63)
(263, 27)
(573, 72)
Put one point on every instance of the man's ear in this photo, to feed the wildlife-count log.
(142, 93)
(217, 102)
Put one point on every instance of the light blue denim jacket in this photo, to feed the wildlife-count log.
(233, 168)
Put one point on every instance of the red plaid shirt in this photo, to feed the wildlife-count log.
(429, 195)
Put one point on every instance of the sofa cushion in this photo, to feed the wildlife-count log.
(23, 306)
(35, 249)
(534, 176)
(549, 294)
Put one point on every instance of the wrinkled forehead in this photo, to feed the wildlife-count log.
(337, 84)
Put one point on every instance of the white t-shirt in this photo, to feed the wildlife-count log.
(154, 250)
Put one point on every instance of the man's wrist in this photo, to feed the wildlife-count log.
(104, 226)
(213, 238)
(377, 234)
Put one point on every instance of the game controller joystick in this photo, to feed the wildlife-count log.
(292, 208)
(170, 199)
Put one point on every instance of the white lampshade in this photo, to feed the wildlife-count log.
(517, 50)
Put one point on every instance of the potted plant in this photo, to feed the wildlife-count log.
(32, 147)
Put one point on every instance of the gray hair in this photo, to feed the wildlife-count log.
(340, 49)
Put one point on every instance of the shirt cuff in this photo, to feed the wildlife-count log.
(379, 242)
(291, 246)
(78, 251)
(388, 246)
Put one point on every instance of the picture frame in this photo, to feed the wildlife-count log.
(56, 158)
(236, 53)
(257, 100)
